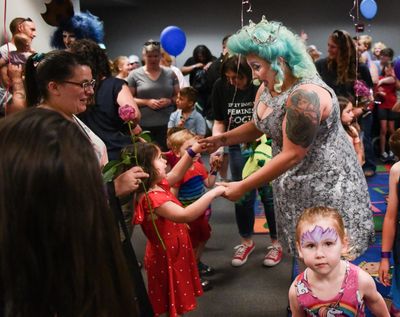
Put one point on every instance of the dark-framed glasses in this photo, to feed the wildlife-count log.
(85, 84)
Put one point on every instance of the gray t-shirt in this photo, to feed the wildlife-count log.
(4, 49)
(147, 88)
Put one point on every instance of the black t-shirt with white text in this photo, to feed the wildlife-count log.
(238, 110)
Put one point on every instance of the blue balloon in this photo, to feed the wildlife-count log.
(173, 40)
(368, 8)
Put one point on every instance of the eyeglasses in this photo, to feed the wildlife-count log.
(155, 43)
(85, 85)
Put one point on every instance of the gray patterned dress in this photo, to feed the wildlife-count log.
(329, 175)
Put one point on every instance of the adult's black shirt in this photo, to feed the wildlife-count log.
(226, 107)
(329, 76)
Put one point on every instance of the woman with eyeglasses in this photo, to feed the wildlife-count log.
(313, 162)
(154, 89)
(110, 94)
(62, 82)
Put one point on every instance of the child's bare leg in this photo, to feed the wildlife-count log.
(199, 250)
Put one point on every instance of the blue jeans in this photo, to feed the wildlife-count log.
(366, 127)
(244, 208)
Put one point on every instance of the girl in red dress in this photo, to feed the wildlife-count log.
(173, 278)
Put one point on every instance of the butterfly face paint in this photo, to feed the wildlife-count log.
(317, 235)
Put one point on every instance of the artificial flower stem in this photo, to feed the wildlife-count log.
(133, 138)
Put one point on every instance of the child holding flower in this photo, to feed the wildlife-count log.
(173, 278)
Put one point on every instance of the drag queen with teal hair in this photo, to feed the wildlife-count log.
(313, 162)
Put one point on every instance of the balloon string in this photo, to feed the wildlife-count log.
(244, 2)
(351, 11)
(355, 22)
(8, 55)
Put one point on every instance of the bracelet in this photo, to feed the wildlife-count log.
(386, 255)
(191, 153)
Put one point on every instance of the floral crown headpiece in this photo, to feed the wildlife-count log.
(264, 32)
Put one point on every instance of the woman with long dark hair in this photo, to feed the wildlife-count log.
(60, 251)
(340, 70)
(196, 67)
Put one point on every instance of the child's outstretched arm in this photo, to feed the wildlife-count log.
(179, 170)
(389, 223)
(176, 213)
(294, 304)
(371, 296)
(210, 180)
(212, 177)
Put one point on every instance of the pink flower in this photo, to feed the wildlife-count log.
(127, 113)
(361, 89)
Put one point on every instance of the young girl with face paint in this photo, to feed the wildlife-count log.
(329, 285)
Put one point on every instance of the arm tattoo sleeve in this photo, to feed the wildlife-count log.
(303, 117)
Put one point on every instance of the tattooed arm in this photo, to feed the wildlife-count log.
(302, 117)
(299, 129)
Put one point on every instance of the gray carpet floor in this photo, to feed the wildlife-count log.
(251, 290)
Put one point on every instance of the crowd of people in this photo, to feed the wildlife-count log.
(320, 116)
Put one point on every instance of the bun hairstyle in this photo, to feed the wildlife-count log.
(40, 69)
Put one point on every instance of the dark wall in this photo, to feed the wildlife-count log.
(208, 21)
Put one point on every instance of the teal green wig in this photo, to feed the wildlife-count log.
(271, 40)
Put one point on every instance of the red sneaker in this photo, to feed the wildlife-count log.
(242, 252)
(273, 256)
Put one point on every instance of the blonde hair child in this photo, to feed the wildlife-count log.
(330, 285)
(193, 185)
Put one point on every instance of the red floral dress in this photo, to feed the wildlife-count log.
(173, 278)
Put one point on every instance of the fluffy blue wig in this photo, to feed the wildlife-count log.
(83, 25)
(271, 40)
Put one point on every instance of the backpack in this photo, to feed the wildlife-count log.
(258, 157)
